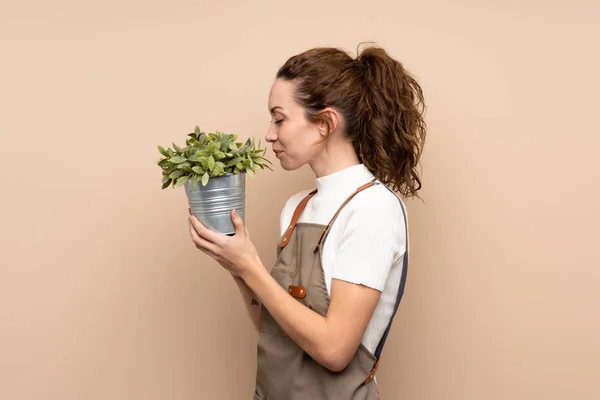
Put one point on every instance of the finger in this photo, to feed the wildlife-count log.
(238, 223)
(202, 243)
(204, 232)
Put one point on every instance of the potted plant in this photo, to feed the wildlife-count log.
(213, 167)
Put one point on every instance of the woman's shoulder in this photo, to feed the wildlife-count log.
(378, 199)
(376, 209)
(374, 217)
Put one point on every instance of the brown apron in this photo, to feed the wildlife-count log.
(285, 371)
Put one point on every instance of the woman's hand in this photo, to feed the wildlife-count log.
(236, 253)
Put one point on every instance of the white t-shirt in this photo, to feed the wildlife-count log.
(367, 242)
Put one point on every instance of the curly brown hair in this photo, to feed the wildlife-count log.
(381, 103)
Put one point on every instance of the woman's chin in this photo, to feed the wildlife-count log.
(288, 166)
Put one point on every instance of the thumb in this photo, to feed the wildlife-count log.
(238, 223)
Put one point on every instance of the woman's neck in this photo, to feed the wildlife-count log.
(334, 157)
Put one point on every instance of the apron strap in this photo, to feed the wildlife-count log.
(295, 217)
(324, 233)
(379, 348)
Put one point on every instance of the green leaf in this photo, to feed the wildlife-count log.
(186, 166)
(205, 178)
(164, 163)
(177, 148)
(211, 163)
(213, 146)
(233, 147)
(177, 159)
(240, 166)
(163, 151)
(198, 170)
(181, 181)
(193, 158)
(197, 130)
(165, 178)
(225, 140)
(234, 161)
(219, 169)
(176, 174)
(219, 155)
(167, 171)
(166, 184)
(203, 162)
(250, 173)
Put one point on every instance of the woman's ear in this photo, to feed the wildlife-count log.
(329, 120)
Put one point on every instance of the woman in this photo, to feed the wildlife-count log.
(326, 307)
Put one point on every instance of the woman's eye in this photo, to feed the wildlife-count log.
(278, 121)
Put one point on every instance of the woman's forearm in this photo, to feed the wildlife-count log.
(304, 326)
(251, 301)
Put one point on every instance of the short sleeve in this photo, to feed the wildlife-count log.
(370, 241)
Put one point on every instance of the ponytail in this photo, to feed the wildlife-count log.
(391, 129)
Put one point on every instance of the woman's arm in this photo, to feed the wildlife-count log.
(331, 340)
(251, 302)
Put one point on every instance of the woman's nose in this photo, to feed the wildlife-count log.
(271, 136)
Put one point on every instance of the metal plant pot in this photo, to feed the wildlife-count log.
(212, 204)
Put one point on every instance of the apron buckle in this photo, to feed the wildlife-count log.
(372, 373)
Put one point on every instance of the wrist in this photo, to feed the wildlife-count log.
(254, 270)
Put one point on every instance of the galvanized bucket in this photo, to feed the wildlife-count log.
(212, 204)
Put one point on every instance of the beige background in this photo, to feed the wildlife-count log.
(103, 296)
